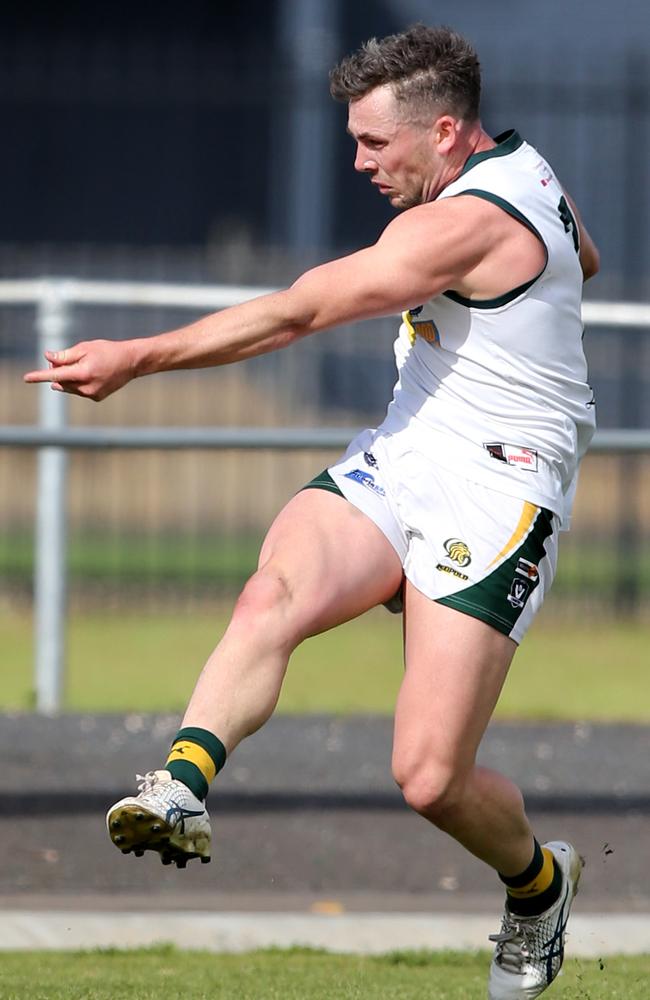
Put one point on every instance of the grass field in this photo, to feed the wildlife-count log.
(293, 975)
(195, 561)
(124, 662)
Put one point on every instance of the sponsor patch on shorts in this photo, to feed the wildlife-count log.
(511, 454)
(366, 479)
(452, 571)
(527, 569)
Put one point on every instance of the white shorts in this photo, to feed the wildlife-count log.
(484, 553)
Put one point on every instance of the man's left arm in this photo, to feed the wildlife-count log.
(589, 255)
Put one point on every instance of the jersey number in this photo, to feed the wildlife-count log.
(569, 222)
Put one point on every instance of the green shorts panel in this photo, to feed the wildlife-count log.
(499, 598)
(323, 481)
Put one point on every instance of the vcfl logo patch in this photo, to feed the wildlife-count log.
(525, 580)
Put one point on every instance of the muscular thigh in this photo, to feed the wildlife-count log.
(455, 668)
(334, 560)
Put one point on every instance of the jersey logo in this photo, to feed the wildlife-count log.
(424, 328)
(512, 454)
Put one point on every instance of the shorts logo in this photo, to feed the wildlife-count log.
(527, 569)
(458, 551)
(519, 592)
(525, 580)
(510, 454)
(366, 479)
(452, 572)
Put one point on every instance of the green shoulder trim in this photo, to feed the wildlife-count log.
(506, 143)
(500, 300)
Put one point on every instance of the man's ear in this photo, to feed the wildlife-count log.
(445, 131)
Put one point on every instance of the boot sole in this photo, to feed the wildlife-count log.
(135, 830)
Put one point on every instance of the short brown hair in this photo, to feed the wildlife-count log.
(432, 70)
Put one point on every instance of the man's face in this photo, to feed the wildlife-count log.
(399, 157)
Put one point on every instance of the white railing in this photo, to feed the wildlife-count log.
(54, 299)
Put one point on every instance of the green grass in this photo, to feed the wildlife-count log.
(298, 974)
(206, 561)
(143, 560)
(122, 662)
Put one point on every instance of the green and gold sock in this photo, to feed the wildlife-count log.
(195, 757)
(537, 888)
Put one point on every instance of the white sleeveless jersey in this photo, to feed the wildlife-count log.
(496, 390)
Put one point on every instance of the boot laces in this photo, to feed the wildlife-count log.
(147, 781)
(514, 943)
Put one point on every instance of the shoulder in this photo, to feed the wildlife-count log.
(447, 220)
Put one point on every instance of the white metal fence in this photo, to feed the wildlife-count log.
(54, 301)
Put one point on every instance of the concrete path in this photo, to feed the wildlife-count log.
(310, 835)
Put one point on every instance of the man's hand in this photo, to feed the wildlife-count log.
(93, 369)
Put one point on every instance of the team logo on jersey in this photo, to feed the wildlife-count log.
(370, 459)
(424, 328)
(428, 330)
(458, 552)
(366, 479)
(511, 454)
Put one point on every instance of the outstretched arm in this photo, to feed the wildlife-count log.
(421, 253)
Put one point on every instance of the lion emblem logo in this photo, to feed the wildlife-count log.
(458, 551)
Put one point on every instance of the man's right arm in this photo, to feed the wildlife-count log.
(419, 254)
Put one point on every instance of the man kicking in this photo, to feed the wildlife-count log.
(450, 510)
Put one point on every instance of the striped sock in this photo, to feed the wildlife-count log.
(537, 888)
(195, 757)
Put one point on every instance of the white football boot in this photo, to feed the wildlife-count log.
(530, 950)
(165, 817)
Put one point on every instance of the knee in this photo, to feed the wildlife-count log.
(263, 607)
(430, 788)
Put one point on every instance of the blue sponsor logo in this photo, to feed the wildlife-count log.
(366, 479)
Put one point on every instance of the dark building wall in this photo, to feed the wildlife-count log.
(134, 123)
(162, 123)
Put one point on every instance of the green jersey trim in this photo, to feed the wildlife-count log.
(500, 300)
(506, 143)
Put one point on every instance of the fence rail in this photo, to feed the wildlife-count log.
(243, 438)
(54, 300)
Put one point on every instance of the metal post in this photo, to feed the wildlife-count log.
(303, 168)
(50, 583)
(627, 596)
